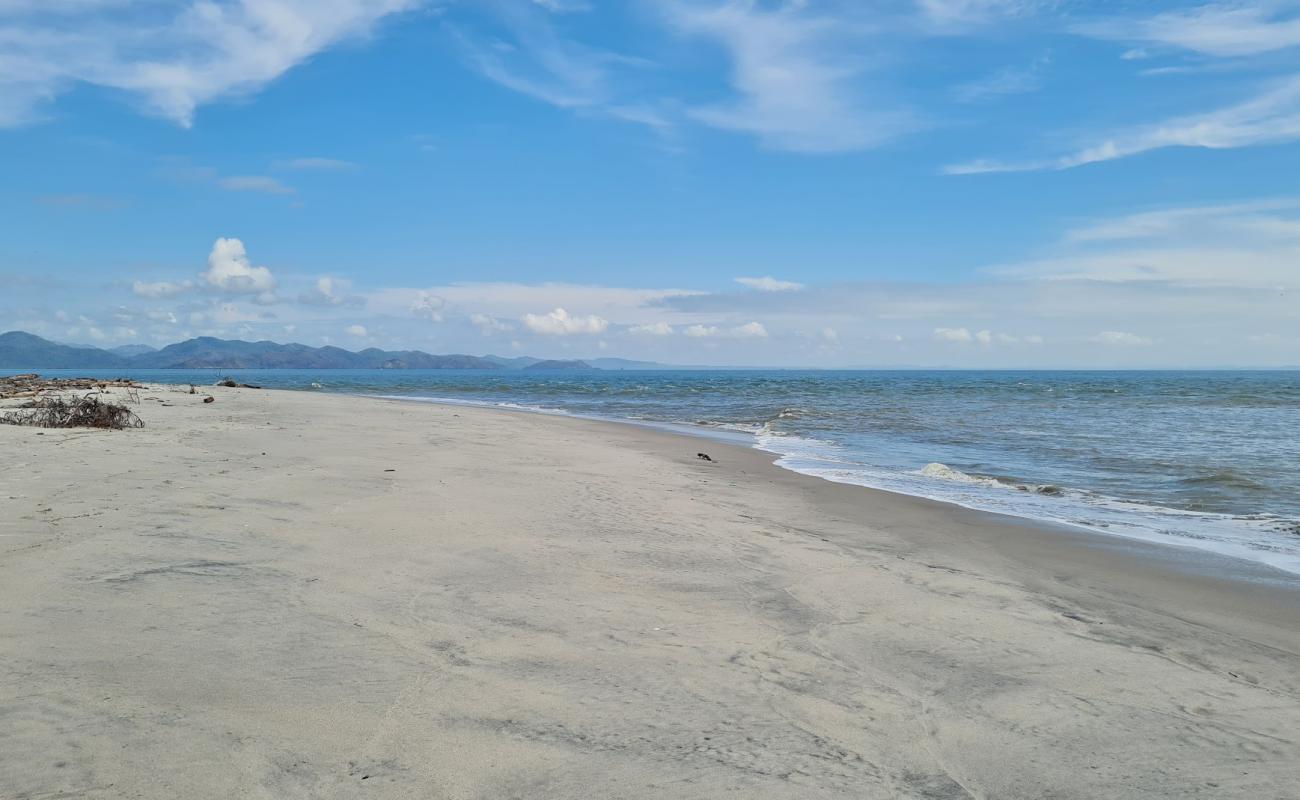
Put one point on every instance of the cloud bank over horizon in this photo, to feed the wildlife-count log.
(796, 182)
(1194, 286)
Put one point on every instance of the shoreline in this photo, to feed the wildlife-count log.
(1242, 534)
(1174, 558)
(1231, 559)
(284, 594)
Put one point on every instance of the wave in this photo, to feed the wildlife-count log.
(1225, 478)
(1265, 538)
(947, 473)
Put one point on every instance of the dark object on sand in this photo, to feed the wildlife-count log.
(231, 383)
(85, 412)
(703, 456)
(209, 399)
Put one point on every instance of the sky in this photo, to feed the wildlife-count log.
(808, 183)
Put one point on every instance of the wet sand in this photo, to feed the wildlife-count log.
(293, 595)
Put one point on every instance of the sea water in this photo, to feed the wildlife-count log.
(1200, 459)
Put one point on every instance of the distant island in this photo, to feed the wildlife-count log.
(21, 350)
(554, 364)
(27, 351)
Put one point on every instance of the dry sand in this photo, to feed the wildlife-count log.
(290, 595)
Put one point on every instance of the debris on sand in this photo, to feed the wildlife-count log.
(33, 385)
(231, 383)
(209, 399)
(704, 456)
(85, 412)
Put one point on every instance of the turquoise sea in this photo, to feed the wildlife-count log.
(1201, 459)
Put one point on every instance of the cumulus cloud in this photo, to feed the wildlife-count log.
(560, 323)
(769, 284)
(229, 270)
(357, 330)
(750, 330)
(983, 337)
(428, 305)
(959, 335)
(1120, 339)
(330, 291)
(703, 331)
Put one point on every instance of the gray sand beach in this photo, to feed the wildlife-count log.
(295, 595)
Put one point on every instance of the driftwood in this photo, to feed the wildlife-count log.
(33, 385)
(231, 383)
(85, 412)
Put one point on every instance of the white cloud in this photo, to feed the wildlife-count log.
(959, 335)
(430, 306)
(653, 329)
(1270, 117)
(1223, 29)
(1247, 244)
(1120, 339)
(830, 335)
(984, 337)
(317, 164)
(958, 13)
(703, 331)
(158, 289)
(357, 330)
(560, 323)
(330, 291)
(1004, 82)
(622, 306)
(196, 53)
(489, 324)
(750, 330)
(254, 183)
(797, 76)
(533, 57)
(769, 284)
(229, 270)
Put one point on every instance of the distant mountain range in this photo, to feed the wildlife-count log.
(19, 350)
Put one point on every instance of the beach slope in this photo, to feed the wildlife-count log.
(295, 595)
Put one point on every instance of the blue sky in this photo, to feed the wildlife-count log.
(928, 182)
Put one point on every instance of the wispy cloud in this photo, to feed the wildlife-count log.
(316, 163)
(254, 183)
(955, 13)
(1270, 117)
(769, 284)
(797, 74)
(1216, 29)
(1247, 245)
(1004, 82)
(528, 52)
(194, 53)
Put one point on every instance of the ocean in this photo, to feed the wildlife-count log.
(1209, 460)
